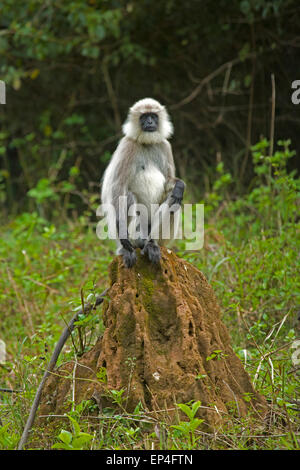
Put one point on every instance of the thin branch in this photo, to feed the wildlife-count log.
(250, 113)
(206, 80)
(272, 125)
(111, 94)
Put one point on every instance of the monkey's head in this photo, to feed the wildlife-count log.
(148, 122)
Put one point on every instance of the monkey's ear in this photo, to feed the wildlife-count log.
(166, 126)
(126, 127)
(130, 129)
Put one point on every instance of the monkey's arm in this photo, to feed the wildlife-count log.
(121, 199)
(174, 187)
(176, 194)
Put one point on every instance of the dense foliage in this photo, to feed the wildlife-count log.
(73, 68)
(251, 258)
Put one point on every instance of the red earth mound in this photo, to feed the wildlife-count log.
(164, 343)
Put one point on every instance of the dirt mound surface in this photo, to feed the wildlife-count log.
(164, 343)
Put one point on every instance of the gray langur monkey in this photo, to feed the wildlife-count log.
(141, 169)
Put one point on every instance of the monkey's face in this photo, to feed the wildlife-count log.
(149, 122)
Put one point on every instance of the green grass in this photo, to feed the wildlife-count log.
(250, 257)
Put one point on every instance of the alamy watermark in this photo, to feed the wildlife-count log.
(2, 92)
(158, 222)
(296, 94)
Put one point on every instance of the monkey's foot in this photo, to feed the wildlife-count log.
(152, 250)
(129, 257)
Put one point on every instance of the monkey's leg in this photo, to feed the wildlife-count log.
(142, 228)
(165, 222)
(151, 248)
(125, 247)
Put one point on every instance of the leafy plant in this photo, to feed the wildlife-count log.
(217, 354)
(8, 440)
(187, 429)
(76, 440)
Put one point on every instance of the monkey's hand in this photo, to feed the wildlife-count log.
(177, 193)
(152, 250)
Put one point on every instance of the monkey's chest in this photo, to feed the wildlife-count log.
(148, 185)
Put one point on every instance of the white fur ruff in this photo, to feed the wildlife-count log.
(132, 128)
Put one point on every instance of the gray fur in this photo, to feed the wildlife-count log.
(142, 169)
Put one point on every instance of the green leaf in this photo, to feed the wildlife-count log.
(62, 446)
(186, 409)
(75, 425)
(65, 436)
(81, 440)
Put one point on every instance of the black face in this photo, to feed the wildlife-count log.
(149, 122)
